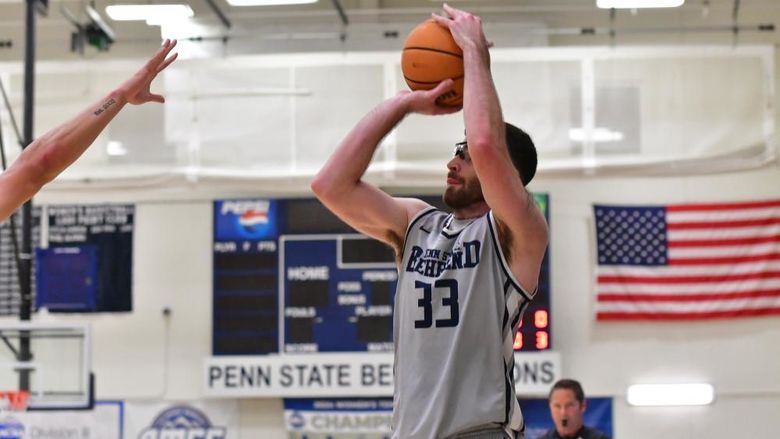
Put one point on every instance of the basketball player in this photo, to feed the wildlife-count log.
(54, 151)
(567, 408)
(464, 278)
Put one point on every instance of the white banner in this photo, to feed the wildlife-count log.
(105, 421)
(339, 422)
(352, 374)
(186, 420)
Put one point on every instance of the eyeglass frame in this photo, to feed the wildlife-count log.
(460, 150)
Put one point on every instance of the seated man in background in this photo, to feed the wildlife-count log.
(51, 153)
(567, 407)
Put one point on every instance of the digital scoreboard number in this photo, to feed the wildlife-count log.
(534, 333)
(338, 293)
(290, 277)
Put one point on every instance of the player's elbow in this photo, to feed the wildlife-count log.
(322, 186)
(44, 167)
(34, 171)
(328, 185)
(480, 144)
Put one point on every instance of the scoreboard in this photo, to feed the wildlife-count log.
(290, 277)
(338, 293)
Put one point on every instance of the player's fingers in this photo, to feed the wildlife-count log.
(452, 12)
(442, 88)
(444, 21)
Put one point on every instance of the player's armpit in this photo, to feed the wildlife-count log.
(524, 241)
(372, 212)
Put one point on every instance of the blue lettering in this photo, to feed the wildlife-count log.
(414, 259)
(457, 260)
(472, 253)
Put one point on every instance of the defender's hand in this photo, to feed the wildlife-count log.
(136, 90)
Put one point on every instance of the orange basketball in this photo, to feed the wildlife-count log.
(430, 56)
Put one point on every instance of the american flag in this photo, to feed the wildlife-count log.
(688, 261)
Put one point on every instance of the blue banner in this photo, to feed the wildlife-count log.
(538, 420)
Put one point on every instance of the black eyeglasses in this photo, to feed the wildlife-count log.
(461, 149)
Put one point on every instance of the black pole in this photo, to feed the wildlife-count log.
(25, 263)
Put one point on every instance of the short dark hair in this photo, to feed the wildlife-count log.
(522, 151)
(568, 384)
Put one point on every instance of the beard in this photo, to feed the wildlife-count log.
(465, 195)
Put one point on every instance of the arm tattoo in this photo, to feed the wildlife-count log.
(105, 107)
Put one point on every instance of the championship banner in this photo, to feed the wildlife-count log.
(365, 418)
(105, 421)
(354, 374)
(190, 420)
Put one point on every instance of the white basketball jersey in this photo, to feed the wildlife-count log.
(457, 308)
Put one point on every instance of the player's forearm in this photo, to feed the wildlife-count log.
(481, 109)
(345, 168)
(51, 153)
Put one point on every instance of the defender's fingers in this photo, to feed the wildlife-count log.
(157, 98)
(167, 62)
(160, 55)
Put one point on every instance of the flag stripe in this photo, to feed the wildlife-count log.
(702, 306)
(682, 217)
(723, 224)
(722, 242)
(712, 234)
(623, 270)
(729, 250)
(725, 260)
(685, 297)
(722, 206)
(687, 279)
(694, 288)
(607, 316)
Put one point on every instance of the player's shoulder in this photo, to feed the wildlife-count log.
(549, 435)
(414, 207)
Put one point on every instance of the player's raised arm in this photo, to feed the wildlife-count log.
(340, 186)
(520, 221)
(50, 154)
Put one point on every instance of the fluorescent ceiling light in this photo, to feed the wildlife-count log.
(115, 148)
(670, 394)
(152, 14)
(268, 2)
(635, 4)
(599, 135)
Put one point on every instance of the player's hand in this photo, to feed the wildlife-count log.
(136, 90)
(427, 101)
(466, 28)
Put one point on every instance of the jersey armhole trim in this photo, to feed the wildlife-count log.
(414, 220)
(504, 263)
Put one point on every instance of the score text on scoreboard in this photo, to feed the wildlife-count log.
(337, 294)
